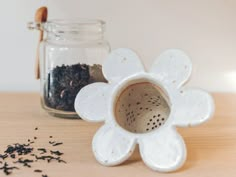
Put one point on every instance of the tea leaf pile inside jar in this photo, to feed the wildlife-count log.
(64, 83)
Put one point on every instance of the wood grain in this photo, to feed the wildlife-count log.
(211, 147)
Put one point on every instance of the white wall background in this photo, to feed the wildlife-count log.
(205, 29)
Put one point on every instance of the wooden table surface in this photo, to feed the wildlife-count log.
(211, 147)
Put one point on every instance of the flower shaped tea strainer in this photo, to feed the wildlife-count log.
(143, 108)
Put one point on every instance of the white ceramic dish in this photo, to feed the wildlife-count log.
(143, 108)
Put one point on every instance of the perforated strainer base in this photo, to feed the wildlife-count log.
(141, 108)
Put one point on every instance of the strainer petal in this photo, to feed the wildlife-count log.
(192, 107)
(111, 146)
(92, 101)
(164, 151)
(173, 67)
(121, 63)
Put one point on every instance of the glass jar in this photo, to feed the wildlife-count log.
(71, 55)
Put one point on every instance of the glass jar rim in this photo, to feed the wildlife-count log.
(74, 25)
(77, 25)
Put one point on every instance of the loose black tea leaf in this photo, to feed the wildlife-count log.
(57, 144)
(25, 162)
(64, 82)
(38, 171)
(61, 161)
(53, 143)
(58, 153)
(3, 156)
(13, 156)
(7, 169)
